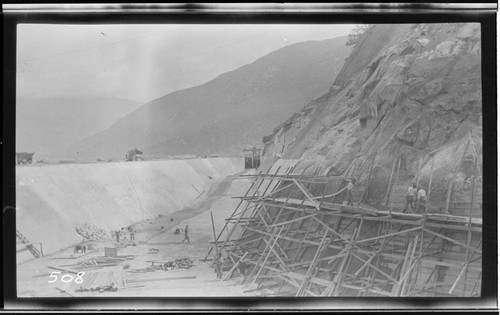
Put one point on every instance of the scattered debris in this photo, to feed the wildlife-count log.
(153, 251)
(185, 263)
(182, 263)
(103, 280)
(110, 287)
(169, 265)
(104, 261)
(91, 232)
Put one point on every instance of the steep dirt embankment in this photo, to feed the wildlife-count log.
(404, 92)
(53, 199)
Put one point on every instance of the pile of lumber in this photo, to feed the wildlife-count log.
(104, 261)
(167, 266)
(184, 263)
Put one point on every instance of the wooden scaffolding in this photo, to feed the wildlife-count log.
(292, 235)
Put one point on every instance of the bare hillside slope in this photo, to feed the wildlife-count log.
(232, 110)
(404, 92)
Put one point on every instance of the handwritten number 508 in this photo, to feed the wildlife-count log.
(67, 277)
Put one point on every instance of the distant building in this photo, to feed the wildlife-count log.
(24, 158)
(252, 157)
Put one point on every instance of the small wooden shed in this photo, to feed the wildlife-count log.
(252, 157)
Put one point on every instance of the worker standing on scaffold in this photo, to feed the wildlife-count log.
(350, 185)
(410, 198)
(421, 200)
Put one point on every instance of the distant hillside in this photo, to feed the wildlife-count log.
(223, 115)
(47, 126)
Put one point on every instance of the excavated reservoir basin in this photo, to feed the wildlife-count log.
(52, 200)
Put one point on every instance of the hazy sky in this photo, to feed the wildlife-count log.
(144, 62)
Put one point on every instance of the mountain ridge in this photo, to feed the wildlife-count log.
(70, 119)
(262, 87)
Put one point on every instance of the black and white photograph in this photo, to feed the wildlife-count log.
(249, 160)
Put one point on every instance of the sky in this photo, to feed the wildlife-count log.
(144, 62)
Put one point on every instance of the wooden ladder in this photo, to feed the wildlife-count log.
(36, 253)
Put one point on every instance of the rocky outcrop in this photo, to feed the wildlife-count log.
(406, 93)
(90, 232)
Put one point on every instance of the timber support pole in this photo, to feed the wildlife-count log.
(301, 243)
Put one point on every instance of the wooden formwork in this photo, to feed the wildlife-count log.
(292, 235)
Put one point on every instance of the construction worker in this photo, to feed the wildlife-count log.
(350, 185)
(186, 235)
(117, 233)
(421, 198)
(131, 232)
(410, 198)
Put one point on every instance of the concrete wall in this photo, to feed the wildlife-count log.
(53, 199)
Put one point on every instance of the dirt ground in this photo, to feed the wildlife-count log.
(154, 241)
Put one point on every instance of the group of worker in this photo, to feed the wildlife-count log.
(415, 199)
(132, 232)
(122, 231)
